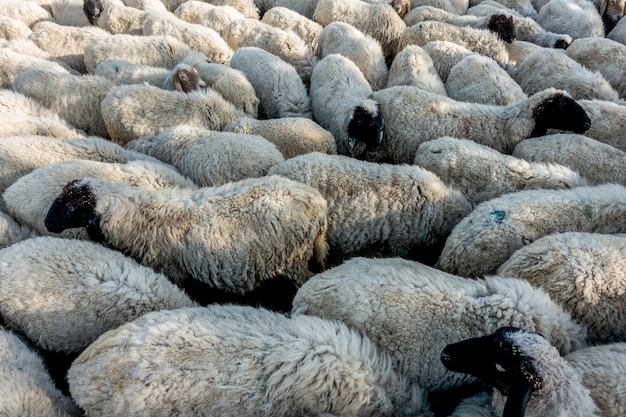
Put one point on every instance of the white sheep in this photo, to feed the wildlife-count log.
(134, 110)
(304, 7)
(13, 63)
(489, 235)
(251, 362)
(549, 67)
(413, 116)
(532, 379)
(445, 55)
(65, 44)
(97, 289)
(479, 79)
(231, 237)
(210, 158)
(16, 124)
(147, 5)
(380, 20)
(608, 122)
(603, 55)
(292, 136)
(458, 7)
(29, 198)
(199, 38)
(283, 43)
(206, 14)
(344, 39)
(412, 311)
(27, 47)
(482, 173)
(121, 19)
(287, 19)
(379, 210)
(28, 12)
(584, 273)
(26, 387)
(341, 104)
(245, 7)
(279, 88)
(11, 28)
(74, 98)
(481, 41)
(577, 18)
(518, 51)
(121, 71)
(525, 8)
(413, 66)
(598, 162)
(231, 83)
(11, 231)
(16, 103)
(158, 51)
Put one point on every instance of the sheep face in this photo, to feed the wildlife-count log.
(562, 113)
(92, 9)
(614, 10)
(74, 207)
(365, 128)
(497, 359)
(401, 7)
(502, 26)
(187, 79)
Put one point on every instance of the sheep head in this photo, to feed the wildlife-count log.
(187, 79)
(401, 7)
(498, 360)
(74, 207)
(365, 128)
(502, 26)
(560, 112)
(92, 9)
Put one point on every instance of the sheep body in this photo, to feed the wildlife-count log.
(584, 273)
(121, 19)
(120, 72)
(618, 33)
(413, 66)
(577, 18)
(74, 98)
(366, 293)
(206, 14)
(523, 7)
(505, 224)
(16, 124)
(131, 111)
(11, 231)
(256, 363)
(225, 236)
(598, 162)
(246, 7)
(13, 63)
(27, 389)
(279, 88)
(482, 173)
(287, 19)
(28, 12)
(292, 136)
(99, 289)
(17, 103)
(11, 28)
(458, 7)
(416, 213)
(445, 55)
(210, 158)
(608, 122)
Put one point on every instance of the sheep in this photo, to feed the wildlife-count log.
(11, 231)
(28, 12)
(598, 162)
(577, 18)
(121, 71)
(287, 19)
(445, 55)
(131, 111)
(618, 33)
(412, 311)
(184, 77)
(341, 104)
(604, 56)
(98, 288)
(526, 29)
(214, 17)
(11, 28)
(27, 47)
(498, 23)
(30, 207)
(74, 98)
(158, 51)
(518, 51)
(16, 103)
(245, 7)
(284, 44)
(26, 387)
(279, 88)
(252, 362)
(499, 127)
(482, 173)
(584, 273)
(401, 7)
(230, 83)
(65, 44)
(458, 7)
(70, 12)
(525, 8)
(210, 158)
(344, 39)
(120, 19)
(608, 122)
(380, 21)
(304, 7)
(413, 66)
(479, 79)
(292, 136)
(611, 12)
(378, 209)
(200, 38)
(147, 5)
(16, 124)
(489, 235)
(532, 379)
(553, 68)
(226, 237)
(12, 63)
(481, 41)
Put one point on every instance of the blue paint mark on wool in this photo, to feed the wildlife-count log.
(498, 216)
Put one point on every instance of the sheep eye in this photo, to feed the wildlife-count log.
(500, 368)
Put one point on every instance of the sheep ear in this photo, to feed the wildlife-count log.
(93, 228)
(176, 81)
(517, 400)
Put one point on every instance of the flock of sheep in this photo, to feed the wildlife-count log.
(313, 208)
